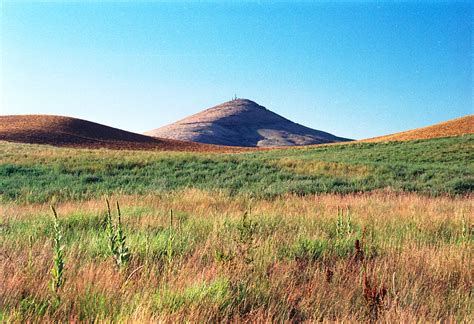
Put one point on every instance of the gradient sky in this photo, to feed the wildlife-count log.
(354, 69)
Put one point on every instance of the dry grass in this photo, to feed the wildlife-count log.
(335, 169)
(455, 127)
(78, 133)
(71, 132)
(415, 246)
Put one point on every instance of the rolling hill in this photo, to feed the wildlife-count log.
(454, 127)
(73, 132)
(242, 122)
(235, 126)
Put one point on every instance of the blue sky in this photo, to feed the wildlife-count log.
(355, 69)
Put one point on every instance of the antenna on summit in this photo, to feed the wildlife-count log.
(235, 97)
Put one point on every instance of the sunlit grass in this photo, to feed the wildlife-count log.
(334, 233)
(288, 259)
(32, 173)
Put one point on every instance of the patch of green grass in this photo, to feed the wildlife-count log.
(93, 305)
(31, 306)
(433, 166)
(163, 245)
(217, 292)
(311, 250)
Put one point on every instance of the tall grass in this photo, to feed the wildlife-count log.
(284, 235)
(400, 258)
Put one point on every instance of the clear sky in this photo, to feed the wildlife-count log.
(357, 69)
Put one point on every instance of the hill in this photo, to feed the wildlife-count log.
(242, 122)
(73, 132)
(454, 127)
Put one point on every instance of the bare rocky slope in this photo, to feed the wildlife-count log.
(242, 122)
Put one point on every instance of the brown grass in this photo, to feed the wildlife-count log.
(337, 169)
(455, 127)
(78, 133)
(424, 280)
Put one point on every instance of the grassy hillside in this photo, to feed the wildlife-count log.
(30, 173)
(455, 127)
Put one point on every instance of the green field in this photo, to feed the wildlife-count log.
(30, 173)
(358, 232)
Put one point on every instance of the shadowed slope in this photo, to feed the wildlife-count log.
(454, 127)
(242, 122)
(73, 132)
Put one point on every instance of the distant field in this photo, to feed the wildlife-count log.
(32, 173)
